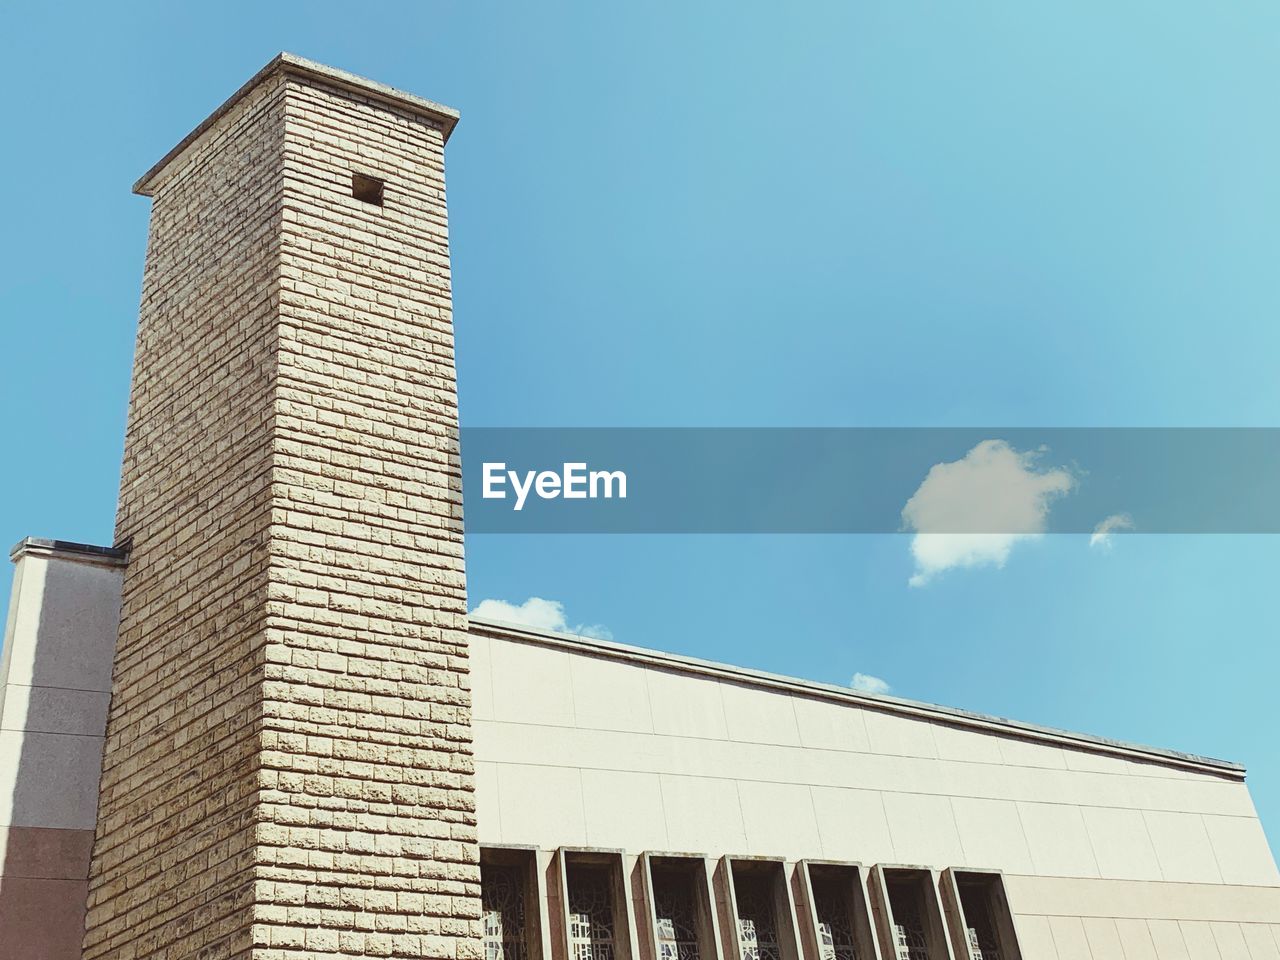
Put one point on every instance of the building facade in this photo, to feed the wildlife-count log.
(260, 725)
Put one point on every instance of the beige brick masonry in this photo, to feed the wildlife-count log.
(288, 769)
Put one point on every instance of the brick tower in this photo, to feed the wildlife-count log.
(288, 763)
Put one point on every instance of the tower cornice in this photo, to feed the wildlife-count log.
(287, 63)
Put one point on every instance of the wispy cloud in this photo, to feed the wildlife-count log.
(539, 614)
(1101, 536)
(869, 684)
(972, 511)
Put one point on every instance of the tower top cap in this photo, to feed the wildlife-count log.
(289, 63)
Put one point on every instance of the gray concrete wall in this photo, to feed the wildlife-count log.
(1107, 850)
(55, 684)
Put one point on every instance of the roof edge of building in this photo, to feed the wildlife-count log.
(881, 702)
(69, 550)
(285, 62)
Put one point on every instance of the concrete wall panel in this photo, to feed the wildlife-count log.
(55, 685)
(1201, 944)
(780, 820)
(1169, 942)
(564, 744)
(831, 726)
(992, 835)
(1058, 840)
(608, 695)
(624, 810)
(703, 814)
(1105, 853)
(1230, 941)
(853, 825)
(1036, 939)
(488, 808)
(1103, 938)
(531, 686)
(685, 706)
(1135, 940)
(481, 678)
(955, 743)
(1182, 846)
(1139, 900)
(1240, 849)
(755, 719)
(923, 829)
(541, 805)
(1258, 938)
(1121, 844)
(899, 736)
(663, 757)
(1069, 939)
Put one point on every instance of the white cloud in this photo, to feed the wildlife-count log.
(868, 684)
(1101, 536)
(970, 512)
(538, 614)
(596, 631)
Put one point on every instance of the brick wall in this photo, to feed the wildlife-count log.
(288, 767)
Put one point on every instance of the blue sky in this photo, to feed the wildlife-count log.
(886, 214)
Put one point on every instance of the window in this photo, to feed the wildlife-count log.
(591, 921)
(983, 913)
(510, 904)
(367, 189)
(909, 939)
(839, 910)
(760, 908)
(912, 926)
(594, 903)
(502, 901)
(757, 919)
(675, 916)
(679, 901)
(760, 900)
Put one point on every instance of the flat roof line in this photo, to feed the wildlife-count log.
(881, 702)
(69, 550)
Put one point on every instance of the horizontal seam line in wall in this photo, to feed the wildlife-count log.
(50, 686)
(829, 786)
(928, 713)
(53, 733)
(1077, 916)
(856, 753)
(1169, 883)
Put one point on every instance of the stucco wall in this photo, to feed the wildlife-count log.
(1107, 852)
(54, 688)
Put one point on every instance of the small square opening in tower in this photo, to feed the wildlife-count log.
(366, 188)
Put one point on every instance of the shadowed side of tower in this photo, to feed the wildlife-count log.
(288, 763)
